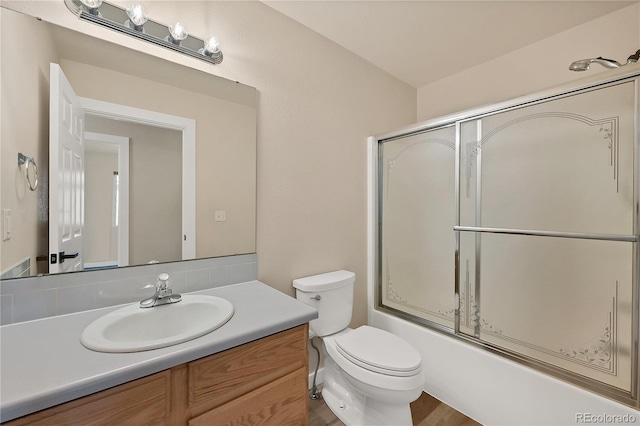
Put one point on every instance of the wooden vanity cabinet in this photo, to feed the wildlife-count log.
(260, 382)
(141, 402)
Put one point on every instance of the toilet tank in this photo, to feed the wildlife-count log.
(332, 295)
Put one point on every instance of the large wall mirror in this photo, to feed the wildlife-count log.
(168, 153)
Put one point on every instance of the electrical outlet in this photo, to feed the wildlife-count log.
(220, 215)
(7, 224)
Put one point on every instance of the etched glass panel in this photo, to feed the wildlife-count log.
(562, 301)
(562, 165)
(417, 219)
(554, 283)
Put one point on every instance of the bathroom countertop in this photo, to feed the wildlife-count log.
(43, 363)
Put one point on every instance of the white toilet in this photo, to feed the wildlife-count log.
(370, 375)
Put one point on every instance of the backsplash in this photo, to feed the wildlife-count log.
(22, 269)
(32, 298)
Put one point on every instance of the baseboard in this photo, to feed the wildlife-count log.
(319, 377)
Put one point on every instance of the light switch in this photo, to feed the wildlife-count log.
(6, 224)
(220, 215)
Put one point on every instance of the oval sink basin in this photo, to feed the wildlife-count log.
(134, 329)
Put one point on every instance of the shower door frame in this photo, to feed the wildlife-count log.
(631, 74)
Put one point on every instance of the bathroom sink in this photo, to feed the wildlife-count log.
(134, 329)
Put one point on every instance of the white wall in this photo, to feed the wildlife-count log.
(486, 387)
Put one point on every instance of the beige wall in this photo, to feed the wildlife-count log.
(155, 188)
(535, 67)
(98, 185)
(317, 105)
(226, 130)
(20, 133)
(225, 155)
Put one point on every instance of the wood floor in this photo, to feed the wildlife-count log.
(426, 411)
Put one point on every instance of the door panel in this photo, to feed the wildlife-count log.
(66, 165)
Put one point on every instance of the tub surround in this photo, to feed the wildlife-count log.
(44, 364)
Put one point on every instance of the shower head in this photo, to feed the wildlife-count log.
(583, 64)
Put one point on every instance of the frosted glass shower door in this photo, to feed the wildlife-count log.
(417, 217)
(547, 241)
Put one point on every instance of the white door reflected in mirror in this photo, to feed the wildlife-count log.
(66, 175)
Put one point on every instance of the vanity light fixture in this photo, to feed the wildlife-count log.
(135, 22)
(137, 14)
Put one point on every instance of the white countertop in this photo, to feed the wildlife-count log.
(43, 363)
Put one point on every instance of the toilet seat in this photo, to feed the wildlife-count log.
(379, 351)
(367, 374)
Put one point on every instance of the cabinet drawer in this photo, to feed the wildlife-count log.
(220, 378)
(141, 402)
(282, 402)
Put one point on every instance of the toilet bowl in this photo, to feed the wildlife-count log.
(370, 375)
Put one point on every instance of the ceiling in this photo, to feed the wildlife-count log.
(422, 41)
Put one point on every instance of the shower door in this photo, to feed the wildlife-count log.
(547, 204)
(515, 229)
(417, 209)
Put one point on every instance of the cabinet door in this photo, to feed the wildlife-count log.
(281, 402)
(141, 402)
(218, 379)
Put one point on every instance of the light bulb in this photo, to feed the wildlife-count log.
(137, 14)
(177, 32)
(212, 49)
(92, 6)
(211, 45)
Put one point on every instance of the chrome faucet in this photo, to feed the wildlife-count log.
(163, 295)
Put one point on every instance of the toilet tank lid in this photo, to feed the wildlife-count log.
(326, 281)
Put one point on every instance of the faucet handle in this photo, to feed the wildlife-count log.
(164, 294)
(163, 282)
